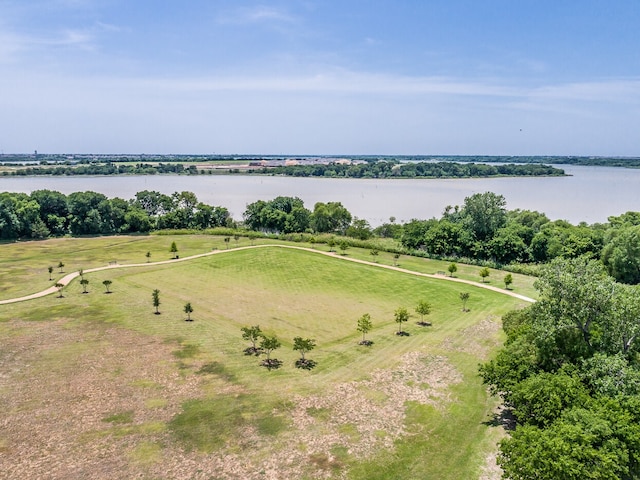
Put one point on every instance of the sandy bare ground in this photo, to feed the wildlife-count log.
(69, 277)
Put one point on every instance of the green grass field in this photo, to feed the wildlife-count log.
(156, 396)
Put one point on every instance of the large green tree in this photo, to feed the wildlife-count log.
(621, 255)
(484, 214)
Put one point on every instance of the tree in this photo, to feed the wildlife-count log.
(453, 268)
(226, 241)
(236, 237)
(59, 286)
(484, 214)
(484, 273)
(188, 309)
(155, 296)
(401, 315)
(268, 345)
(423, 308)
(621, 255)
(344, 246)
(50, 269)
(174, 249)
(396, 256)
(329, 218)
(84, 282)
(331, 243)
(252, 334)
(464, 296)
(148, 255)
(359, 229)
(374, 254)
(60, 266)
(365, 326)
(107, 285)
(304, 345)
(508, 280)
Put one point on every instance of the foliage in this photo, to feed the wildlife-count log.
(569, 370)
(621, 255)
(484, 273)
(423, 308)
(401, 315)
(365, 326)
(188, 309)
(304, 346)
(252, 334)
(508, 280)
(453, 268)
(267, 346)
(107, 285)
(464, 297)
(155, 297)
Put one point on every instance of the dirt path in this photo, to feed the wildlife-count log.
(69, 277)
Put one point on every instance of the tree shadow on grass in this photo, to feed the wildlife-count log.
(305, 364)
(271, 364)
(502, 418)
(256, 351)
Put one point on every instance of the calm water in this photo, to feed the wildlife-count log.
(591, 194)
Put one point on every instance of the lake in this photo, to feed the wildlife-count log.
(590, 194)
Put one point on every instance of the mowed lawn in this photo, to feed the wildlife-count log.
(140, 394)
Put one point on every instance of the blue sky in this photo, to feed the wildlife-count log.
(517, 77)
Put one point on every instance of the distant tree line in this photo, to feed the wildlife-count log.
(394, 169)
(104, 169)
(480, 230)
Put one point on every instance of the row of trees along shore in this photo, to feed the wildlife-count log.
(370, 169)
(480, 231)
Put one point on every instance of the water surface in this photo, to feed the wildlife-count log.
(590, 194)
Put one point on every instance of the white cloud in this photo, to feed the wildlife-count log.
(256, 14)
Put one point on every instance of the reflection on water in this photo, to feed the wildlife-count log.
(591, 194)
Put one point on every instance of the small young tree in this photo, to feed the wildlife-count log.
(365, 326)
(155, 296)
(81, 273)
(226, 241)
(188, 309)
(453, 268)
(331, 243)
(59, 286)
(174, 249)
(508, 280)
(304, 345)
(396, 256)
(268, 345)
(252, 334)
(423, 308)
(60, 266)
(50, 269)
(401, 315)
(484, 273)
(344, 246)
(464, 296)
(236, 237)
(374, 254)
(84, 282)
(107, 285)
(148, 255)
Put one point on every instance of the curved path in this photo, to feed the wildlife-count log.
(69, 277)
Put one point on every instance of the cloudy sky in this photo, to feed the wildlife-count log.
(493, 77)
